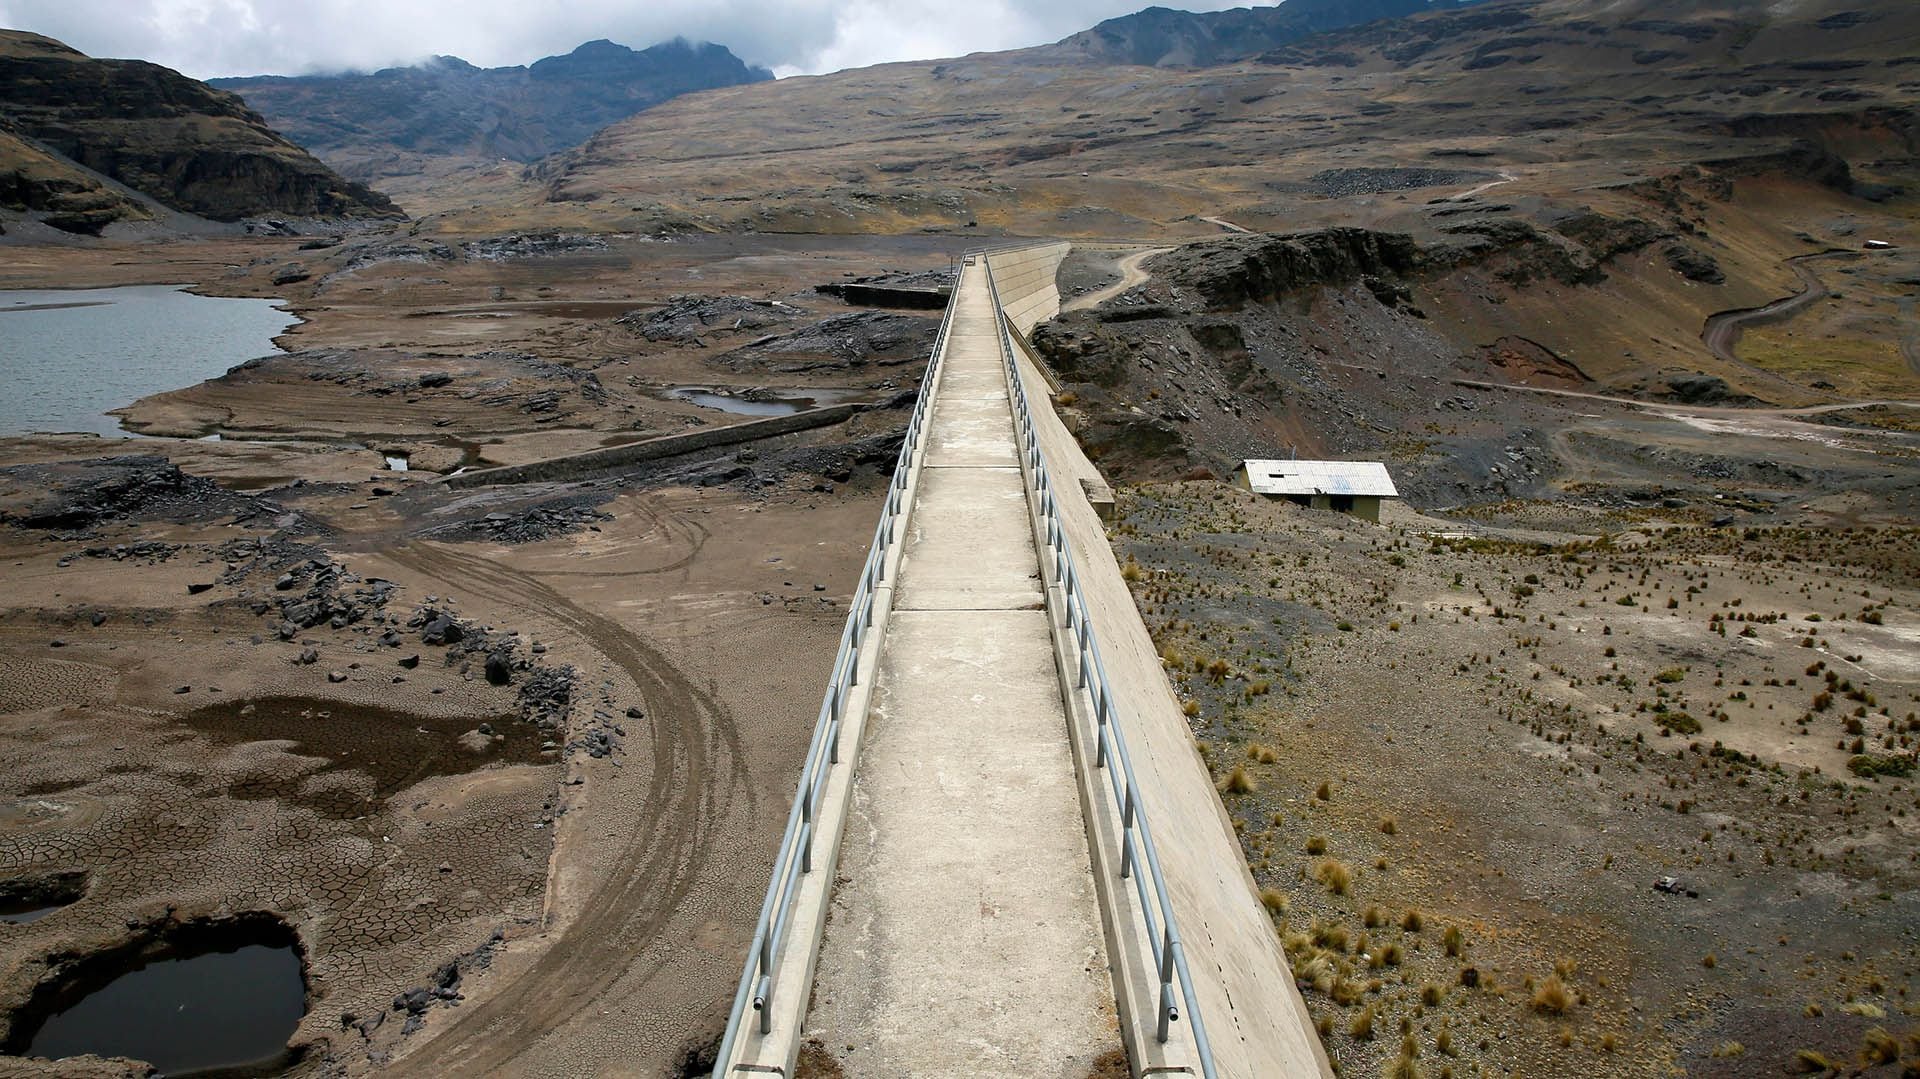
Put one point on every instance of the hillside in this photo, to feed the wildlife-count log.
(1560, 93)
(1164, 37)
(65, 116)
(391, 122)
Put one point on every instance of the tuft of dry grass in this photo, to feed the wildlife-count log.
(1811, 1062)
(1324, 792)
(1432, 995)
(1880, 1047)
(1389, 826)
(1373, 918)
(1190, 709)
(1274, 900)
(1362, 1025)
(1407, 1064)
(1452, 941)
(1552, 997)
(1334, 874)
(1238, 781)
(1411, 920)
(1316, 844)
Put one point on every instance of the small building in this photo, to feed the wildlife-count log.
(1354, 487)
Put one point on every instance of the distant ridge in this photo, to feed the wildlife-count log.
(1163, 37)
(446, 107)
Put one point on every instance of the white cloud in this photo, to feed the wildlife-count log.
(209, 38)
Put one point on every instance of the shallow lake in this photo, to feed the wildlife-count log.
(69, 355)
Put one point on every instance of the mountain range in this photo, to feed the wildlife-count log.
(383, 124)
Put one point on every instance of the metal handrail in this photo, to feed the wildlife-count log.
(1136, 838)
(794, 859)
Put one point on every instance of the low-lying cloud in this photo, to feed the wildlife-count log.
(211, 38)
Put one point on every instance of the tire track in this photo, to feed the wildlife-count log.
(698, 778)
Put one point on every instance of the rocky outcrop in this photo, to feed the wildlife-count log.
(60, 193)
(448, 107)
(1231, 272)
(157, 132)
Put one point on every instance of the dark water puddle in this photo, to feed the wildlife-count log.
(386, 751)
(18, 913)
(758, 402)
(29, 899)
(193, 998)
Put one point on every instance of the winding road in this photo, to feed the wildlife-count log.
(1132, 272)
(1722, 331)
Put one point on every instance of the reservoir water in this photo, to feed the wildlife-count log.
(69, 355)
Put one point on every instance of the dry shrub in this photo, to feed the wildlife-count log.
(1362, 1025)
(1346, 992)
(1335, 875)
(1452, 941)
(1373, 918)
(1274, 900)
(1238, 781)
(1880, 1048)
(1316, 844)
(1811, 1062)
(1553, 997)
(1411, 921)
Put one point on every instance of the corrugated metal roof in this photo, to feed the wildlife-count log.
(1365, 478)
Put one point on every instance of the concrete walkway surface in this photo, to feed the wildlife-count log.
(964, 936)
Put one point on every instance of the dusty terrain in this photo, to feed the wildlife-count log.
(1512, 736)
(1594, 281)
(565, 857)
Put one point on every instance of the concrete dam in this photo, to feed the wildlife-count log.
(1006, 856)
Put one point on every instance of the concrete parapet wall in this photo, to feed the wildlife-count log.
(1256, 1020)
(1027, 279)
(577, 465)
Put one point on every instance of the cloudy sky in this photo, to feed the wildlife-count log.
(210, 38)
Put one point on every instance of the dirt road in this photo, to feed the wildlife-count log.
(1225, 224)
(1132, 272)
(694, 793)
(1505, 178)
(1910, 340)
(1658, 406)
(1722, 330)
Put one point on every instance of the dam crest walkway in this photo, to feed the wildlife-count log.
(968, 885)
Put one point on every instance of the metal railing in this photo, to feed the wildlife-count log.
(794, 860)
(1136, 838)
